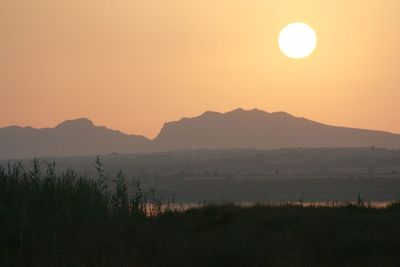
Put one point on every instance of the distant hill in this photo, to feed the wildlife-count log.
(71, 138)
(211, 130)
(259, 129)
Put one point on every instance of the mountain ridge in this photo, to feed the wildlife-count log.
(237, 128)
(260, 129)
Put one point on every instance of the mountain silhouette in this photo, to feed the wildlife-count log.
(211, 130)
(71, 138)
(259, 129)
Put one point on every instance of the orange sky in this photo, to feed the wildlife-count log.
(132, 65)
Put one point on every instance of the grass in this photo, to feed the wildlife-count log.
(50, 219)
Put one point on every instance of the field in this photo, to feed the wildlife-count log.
(50, 219)
(253, 176)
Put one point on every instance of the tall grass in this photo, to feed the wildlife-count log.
(39, 207)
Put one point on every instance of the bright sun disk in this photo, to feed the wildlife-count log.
(297, 40)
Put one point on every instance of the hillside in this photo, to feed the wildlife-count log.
(71, 138)
(259, 129)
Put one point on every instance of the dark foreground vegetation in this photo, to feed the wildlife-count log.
(51, 219)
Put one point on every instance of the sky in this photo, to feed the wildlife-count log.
(132, 65)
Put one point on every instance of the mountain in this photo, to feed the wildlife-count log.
(211, 130)
(71, 138)
(259, 129)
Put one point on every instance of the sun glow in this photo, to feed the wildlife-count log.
(297, 40)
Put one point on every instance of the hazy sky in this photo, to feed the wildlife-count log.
(132, 65)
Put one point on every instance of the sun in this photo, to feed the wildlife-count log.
(297, 40)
